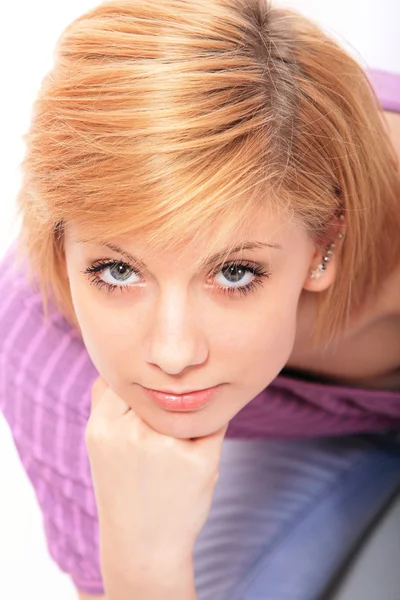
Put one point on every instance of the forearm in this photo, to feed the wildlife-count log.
(151, 584)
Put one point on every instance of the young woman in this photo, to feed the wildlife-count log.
(210, 200)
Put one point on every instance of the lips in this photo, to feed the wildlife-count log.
(172, 393)
(183, 401)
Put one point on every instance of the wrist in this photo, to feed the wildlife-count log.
(150, 581)
(145, 563)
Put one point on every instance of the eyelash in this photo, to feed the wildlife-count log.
(100, 265)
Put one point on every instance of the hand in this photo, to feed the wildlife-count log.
(153, 492)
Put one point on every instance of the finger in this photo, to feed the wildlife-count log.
(106, 402)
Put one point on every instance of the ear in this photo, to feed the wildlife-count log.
(319, 279)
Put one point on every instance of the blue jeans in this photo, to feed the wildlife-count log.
(286, 514)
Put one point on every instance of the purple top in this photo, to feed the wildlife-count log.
(46, 377)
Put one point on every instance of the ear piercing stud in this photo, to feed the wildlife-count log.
(318, 272)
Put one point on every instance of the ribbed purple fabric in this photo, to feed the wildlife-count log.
(46, 377)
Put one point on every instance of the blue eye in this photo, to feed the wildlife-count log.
(237, 270)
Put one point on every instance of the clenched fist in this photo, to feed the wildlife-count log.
(153, 492)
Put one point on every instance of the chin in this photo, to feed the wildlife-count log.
(185, 425)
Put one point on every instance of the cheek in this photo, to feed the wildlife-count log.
(100, 328)
(266, 340)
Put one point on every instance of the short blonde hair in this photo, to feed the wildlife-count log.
(161, 118)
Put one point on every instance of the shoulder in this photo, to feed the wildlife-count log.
(45, 371)
(39, 342)
(45, 395)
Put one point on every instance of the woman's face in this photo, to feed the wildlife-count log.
(171, 328)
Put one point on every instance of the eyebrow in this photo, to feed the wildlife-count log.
(247, 245)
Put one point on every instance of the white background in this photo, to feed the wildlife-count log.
(28, 33)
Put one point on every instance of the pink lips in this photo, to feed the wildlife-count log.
(183, 401)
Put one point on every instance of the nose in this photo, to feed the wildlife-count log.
(175, 337)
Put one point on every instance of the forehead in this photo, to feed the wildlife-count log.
(264, 227)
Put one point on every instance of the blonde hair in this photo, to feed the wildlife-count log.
(161, 118)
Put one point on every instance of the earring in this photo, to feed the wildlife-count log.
(317, 273)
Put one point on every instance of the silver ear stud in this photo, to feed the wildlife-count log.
(317, 273)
